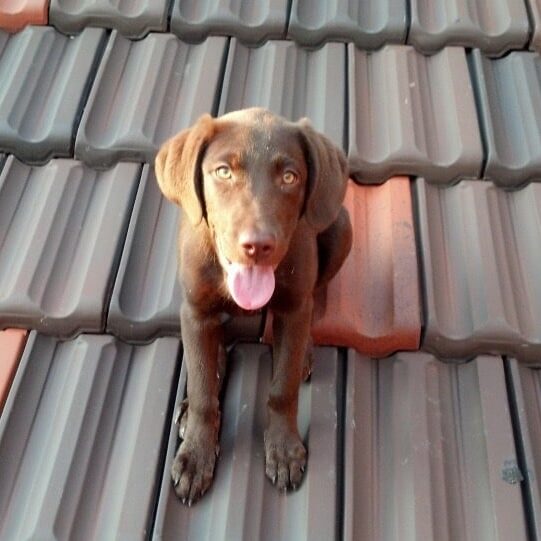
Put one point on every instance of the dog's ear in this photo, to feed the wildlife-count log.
(327, 177)
(178, 167)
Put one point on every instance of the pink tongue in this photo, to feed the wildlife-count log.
(250, 286)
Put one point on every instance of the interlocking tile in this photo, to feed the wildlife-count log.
(146, 298)
(133, 19)
(11, 347)
(412, 114)
(128, 116)
(481, 259)
(81, 438)
(290, 81)
(495, 27)
(16, 14)
(429, 451)
(509, 92)
(373, 303)
(252, 21)
(535, 14)
(369, 24)
(62, 227)
(45, 77)
(527, 393)
(242, 503)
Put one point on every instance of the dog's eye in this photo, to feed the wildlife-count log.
(289, 177)
(223, 172)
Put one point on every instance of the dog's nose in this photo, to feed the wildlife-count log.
(257, 245)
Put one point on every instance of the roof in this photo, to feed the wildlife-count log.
(423, 414)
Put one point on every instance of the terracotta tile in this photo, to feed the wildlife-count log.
(11, 347)
(16, 14)
(373, 303)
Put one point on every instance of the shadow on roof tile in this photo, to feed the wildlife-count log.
(369, 24)
(129, 116)
(11, 347)
(16, 14)
(495, 27)
(411, 114)
(62, 228)
(481, 261)
(373, 303)
(242, 504)
(86, 418)
(252, 21)
(429, 451)
(132, 19)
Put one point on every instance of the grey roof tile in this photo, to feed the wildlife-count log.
(290, 81)
(368, 23)
(129, 116)
(45, 78)
(535, 15)
(412, 114)
(252, 21)
(62, 228)
(481, 261)
(429, 451)
(81, 438)
(495, 26)
(147, 297)
(133, 19)
(527, 393)
(242, 503)
(509, 92)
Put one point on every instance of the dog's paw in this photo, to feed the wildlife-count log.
(285, 458)
(193, 469)
(180, 417)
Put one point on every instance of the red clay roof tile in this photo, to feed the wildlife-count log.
(16, 14)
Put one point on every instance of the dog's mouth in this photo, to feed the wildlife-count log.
(251, 286)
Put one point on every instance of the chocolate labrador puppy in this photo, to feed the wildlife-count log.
(263, 225)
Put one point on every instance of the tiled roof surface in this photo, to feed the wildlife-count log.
(423, 414)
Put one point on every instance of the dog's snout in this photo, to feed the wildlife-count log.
(257, 245)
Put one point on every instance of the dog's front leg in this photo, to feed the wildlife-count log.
(284, 451)
(193, 467)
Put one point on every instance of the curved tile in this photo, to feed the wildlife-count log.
(252, 21)
(494, 26)
(62, 228)
(481, 261)
(367, 23)
(128, 116)
(411, 114)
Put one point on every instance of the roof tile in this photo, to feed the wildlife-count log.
(481, 260)
(509, 92)
(439, 436)
(133, 19)
(16, 14)
(373, 303)
(11, 347)
(495, 27)
(242, 503)
(45, 77)
(252, 21)
(62, 227)
(87, 419)
(412, 114)
(527, 392)
(129, 116)
(290, 81)
(369, 24)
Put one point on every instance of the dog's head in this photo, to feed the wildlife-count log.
(250, 176)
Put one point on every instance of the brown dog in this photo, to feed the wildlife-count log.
(263, 224)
